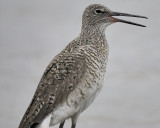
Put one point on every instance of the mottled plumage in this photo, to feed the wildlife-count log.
(74, 77)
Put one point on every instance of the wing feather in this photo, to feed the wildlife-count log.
(60, 77)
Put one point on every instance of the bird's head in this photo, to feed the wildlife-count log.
(97, 15)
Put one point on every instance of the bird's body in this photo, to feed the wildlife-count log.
(74, 77)
(87, 63)
(94, 66)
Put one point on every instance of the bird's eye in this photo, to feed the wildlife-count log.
(99, 11)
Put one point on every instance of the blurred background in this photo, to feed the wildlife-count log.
(32, 32)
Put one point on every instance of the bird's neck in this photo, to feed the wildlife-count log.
(89, 36)
(93, 35)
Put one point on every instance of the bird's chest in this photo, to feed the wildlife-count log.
(96, 68)
(94, 77)
(92, 81)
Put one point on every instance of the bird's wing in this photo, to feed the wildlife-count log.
(60, 78)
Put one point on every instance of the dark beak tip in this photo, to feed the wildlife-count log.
(145, 17)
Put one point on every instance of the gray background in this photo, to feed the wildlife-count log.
(32, 32)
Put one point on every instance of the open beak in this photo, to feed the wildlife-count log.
(124, 21)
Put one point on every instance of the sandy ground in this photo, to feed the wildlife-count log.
(33, 32)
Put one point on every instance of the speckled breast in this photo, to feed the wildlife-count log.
(92, 81)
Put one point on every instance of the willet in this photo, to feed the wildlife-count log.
(75, 76)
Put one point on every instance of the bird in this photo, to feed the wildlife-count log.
(75, 76)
